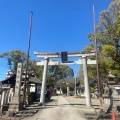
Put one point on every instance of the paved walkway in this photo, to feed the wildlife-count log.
(62, 111)
(62, 108)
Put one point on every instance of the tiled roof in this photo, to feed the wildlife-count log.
(12, 80)
(34, 80)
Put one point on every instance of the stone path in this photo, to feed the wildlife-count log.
(58, 108)
(62, 111)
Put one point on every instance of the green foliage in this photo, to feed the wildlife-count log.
(58, 72)
(62, 71)
(92, 89)
(108, 51)
(13, 57)
(91, 68)
(89, 48)
(117, 24)
(35, 69)
(107, 35)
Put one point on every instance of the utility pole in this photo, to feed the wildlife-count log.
(27, 60)
(95, 42)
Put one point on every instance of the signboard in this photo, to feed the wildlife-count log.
(64, 57)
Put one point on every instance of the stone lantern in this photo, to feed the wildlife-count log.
(108, 91)
(111, 79)
(111, 96)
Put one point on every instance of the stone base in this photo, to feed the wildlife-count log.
(15, 107)
(105, 108)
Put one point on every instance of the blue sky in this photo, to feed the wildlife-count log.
(58, 25)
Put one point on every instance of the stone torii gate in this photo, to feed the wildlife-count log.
(84, 61)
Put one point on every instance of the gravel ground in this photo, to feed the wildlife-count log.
(81, 102)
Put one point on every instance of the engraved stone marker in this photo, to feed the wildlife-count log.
(15, 104)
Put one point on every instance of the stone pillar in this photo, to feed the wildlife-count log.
(67, 91)
(2, 99)
(43, 89)
(116, 98)
(27, 93)
(15, 105)
(60, 89)
(10, 95)
(78, 93)
(35, 91)
(75, 87)
(87, 88)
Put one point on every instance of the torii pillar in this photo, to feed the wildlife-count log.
(44, 80)
(87, 87)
